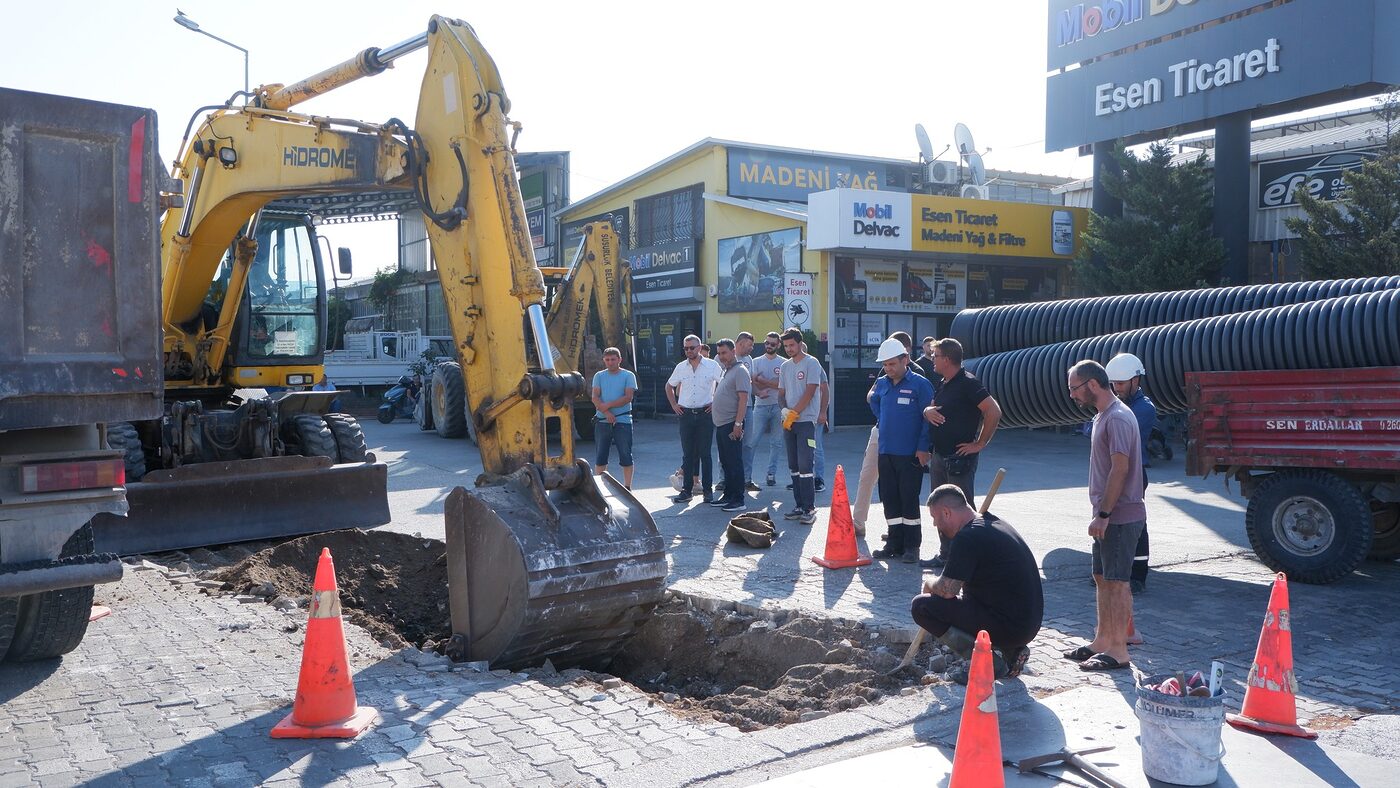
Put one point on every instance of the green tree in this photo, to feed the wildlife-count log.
(1359, 233)
(1164, 240)
(386, 282)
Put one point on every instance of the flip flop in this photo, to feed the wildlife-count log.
(1079, 654)
(1102, 662)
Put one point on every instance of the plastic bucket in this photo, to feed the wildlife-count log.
(1180, 736)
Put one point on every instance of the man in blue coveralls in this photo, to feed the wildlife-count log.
(898, 401)
(1125, 372)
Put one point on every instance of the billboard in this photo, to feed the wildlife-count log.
(1080, 31)
(1280, 180)
(663, 267)
(532, 192)
(779, 175)
(751, 269)
(926, 287)
(849, 219)
(1280, 58)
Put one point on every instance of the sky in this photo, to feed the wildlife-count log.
(621, 85)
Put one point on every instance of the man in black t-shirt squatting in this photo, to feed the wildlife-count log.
(991, 582)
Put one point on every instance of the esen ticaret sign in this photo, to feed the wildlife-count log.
(851, 219)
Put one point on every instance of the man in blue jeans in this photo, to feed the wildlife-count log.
(613, 389)
(767, 425)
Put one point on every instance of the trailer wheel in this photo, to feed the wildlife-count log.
(308, 435)
(1312, 525)
(52, 623)
(121, 435)
(449, 400)
(349, 437)
(1386, 529)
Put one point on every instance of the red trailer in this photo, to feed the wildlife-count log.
(1317, 452)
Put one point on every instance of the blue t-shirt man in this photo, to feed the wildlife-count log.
(613, 385)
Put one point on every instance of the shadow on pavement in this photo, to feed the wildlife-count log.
(316, 762)
(17, 678)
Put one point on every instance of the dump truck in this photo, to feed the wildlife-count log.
(80, 299)
(1316, 452)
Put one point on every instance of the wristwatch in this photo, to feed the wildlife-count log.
(1104, 515)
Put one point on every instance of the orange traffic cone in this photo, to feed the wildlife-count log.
(841, 549)
(1270, 705)
(977, 758)
(325, 704)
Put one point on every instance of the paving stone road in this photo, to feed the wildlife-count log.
(177, 687)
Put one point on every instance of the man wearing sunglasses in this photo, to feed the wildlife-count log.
(691, 392)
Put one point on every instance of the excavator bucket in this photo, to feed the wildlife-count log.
(532, 574)
(244, 500)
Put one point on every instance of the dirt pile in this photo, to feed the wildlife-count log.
(754, 672)
(391, 584)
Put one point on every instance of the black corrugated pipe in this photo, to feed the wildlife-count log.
(997, 329)
(1355, 331)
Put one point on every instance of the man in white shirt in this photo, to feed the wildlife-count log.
(691, 392)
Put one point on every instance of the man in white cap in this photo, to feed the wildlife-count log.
(898, 401)
(1125, 372)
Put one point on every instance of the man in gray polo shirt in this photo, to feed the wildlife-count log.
(798, 381)
(728, 409)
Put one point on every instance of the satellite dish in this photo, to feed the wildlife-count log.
(976, 168)
(925, 147)
(962, 137)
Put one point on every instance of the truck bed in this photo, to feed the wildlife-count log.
(80, 334)
(1324, 418)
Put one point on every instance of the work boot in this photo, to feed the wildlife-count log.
(959, 671)
(959, 641)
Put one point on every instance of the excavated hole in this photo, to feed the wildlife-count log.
(748, 671)
(755, 672)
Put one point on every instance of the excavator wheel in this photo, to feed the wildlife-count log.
(349, 437)
(121, 435)
(307, 434)
(449, 400)
(567, 575)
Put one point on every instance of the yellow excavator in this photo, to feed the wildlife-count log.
(544, 559)
(594, 289)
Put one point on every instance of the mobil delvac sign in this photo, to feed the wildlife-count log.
(899, 222)
(1150, 68)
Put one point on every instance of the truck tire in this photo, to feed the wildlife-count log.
(9, 616)
(1385, 543)
(53, 623)
(349, 437)
(1312, 525)
(121, 435)
(449, 400)
(308, 435)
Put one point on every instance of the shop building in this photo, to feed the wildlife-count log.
(726, 237)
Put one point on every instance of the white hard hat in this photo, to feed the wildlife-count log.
(1124, 366)
(891, 348)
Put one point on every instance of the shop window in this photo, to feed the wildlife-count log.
(673, 216)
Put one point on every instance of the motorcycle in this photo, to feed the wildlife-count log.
(399, 401)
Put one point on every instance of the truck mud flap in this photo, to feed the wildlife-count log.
(567, 575)
(244, 500)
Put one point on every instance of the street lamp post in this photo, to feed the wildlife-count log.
(190, 24)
